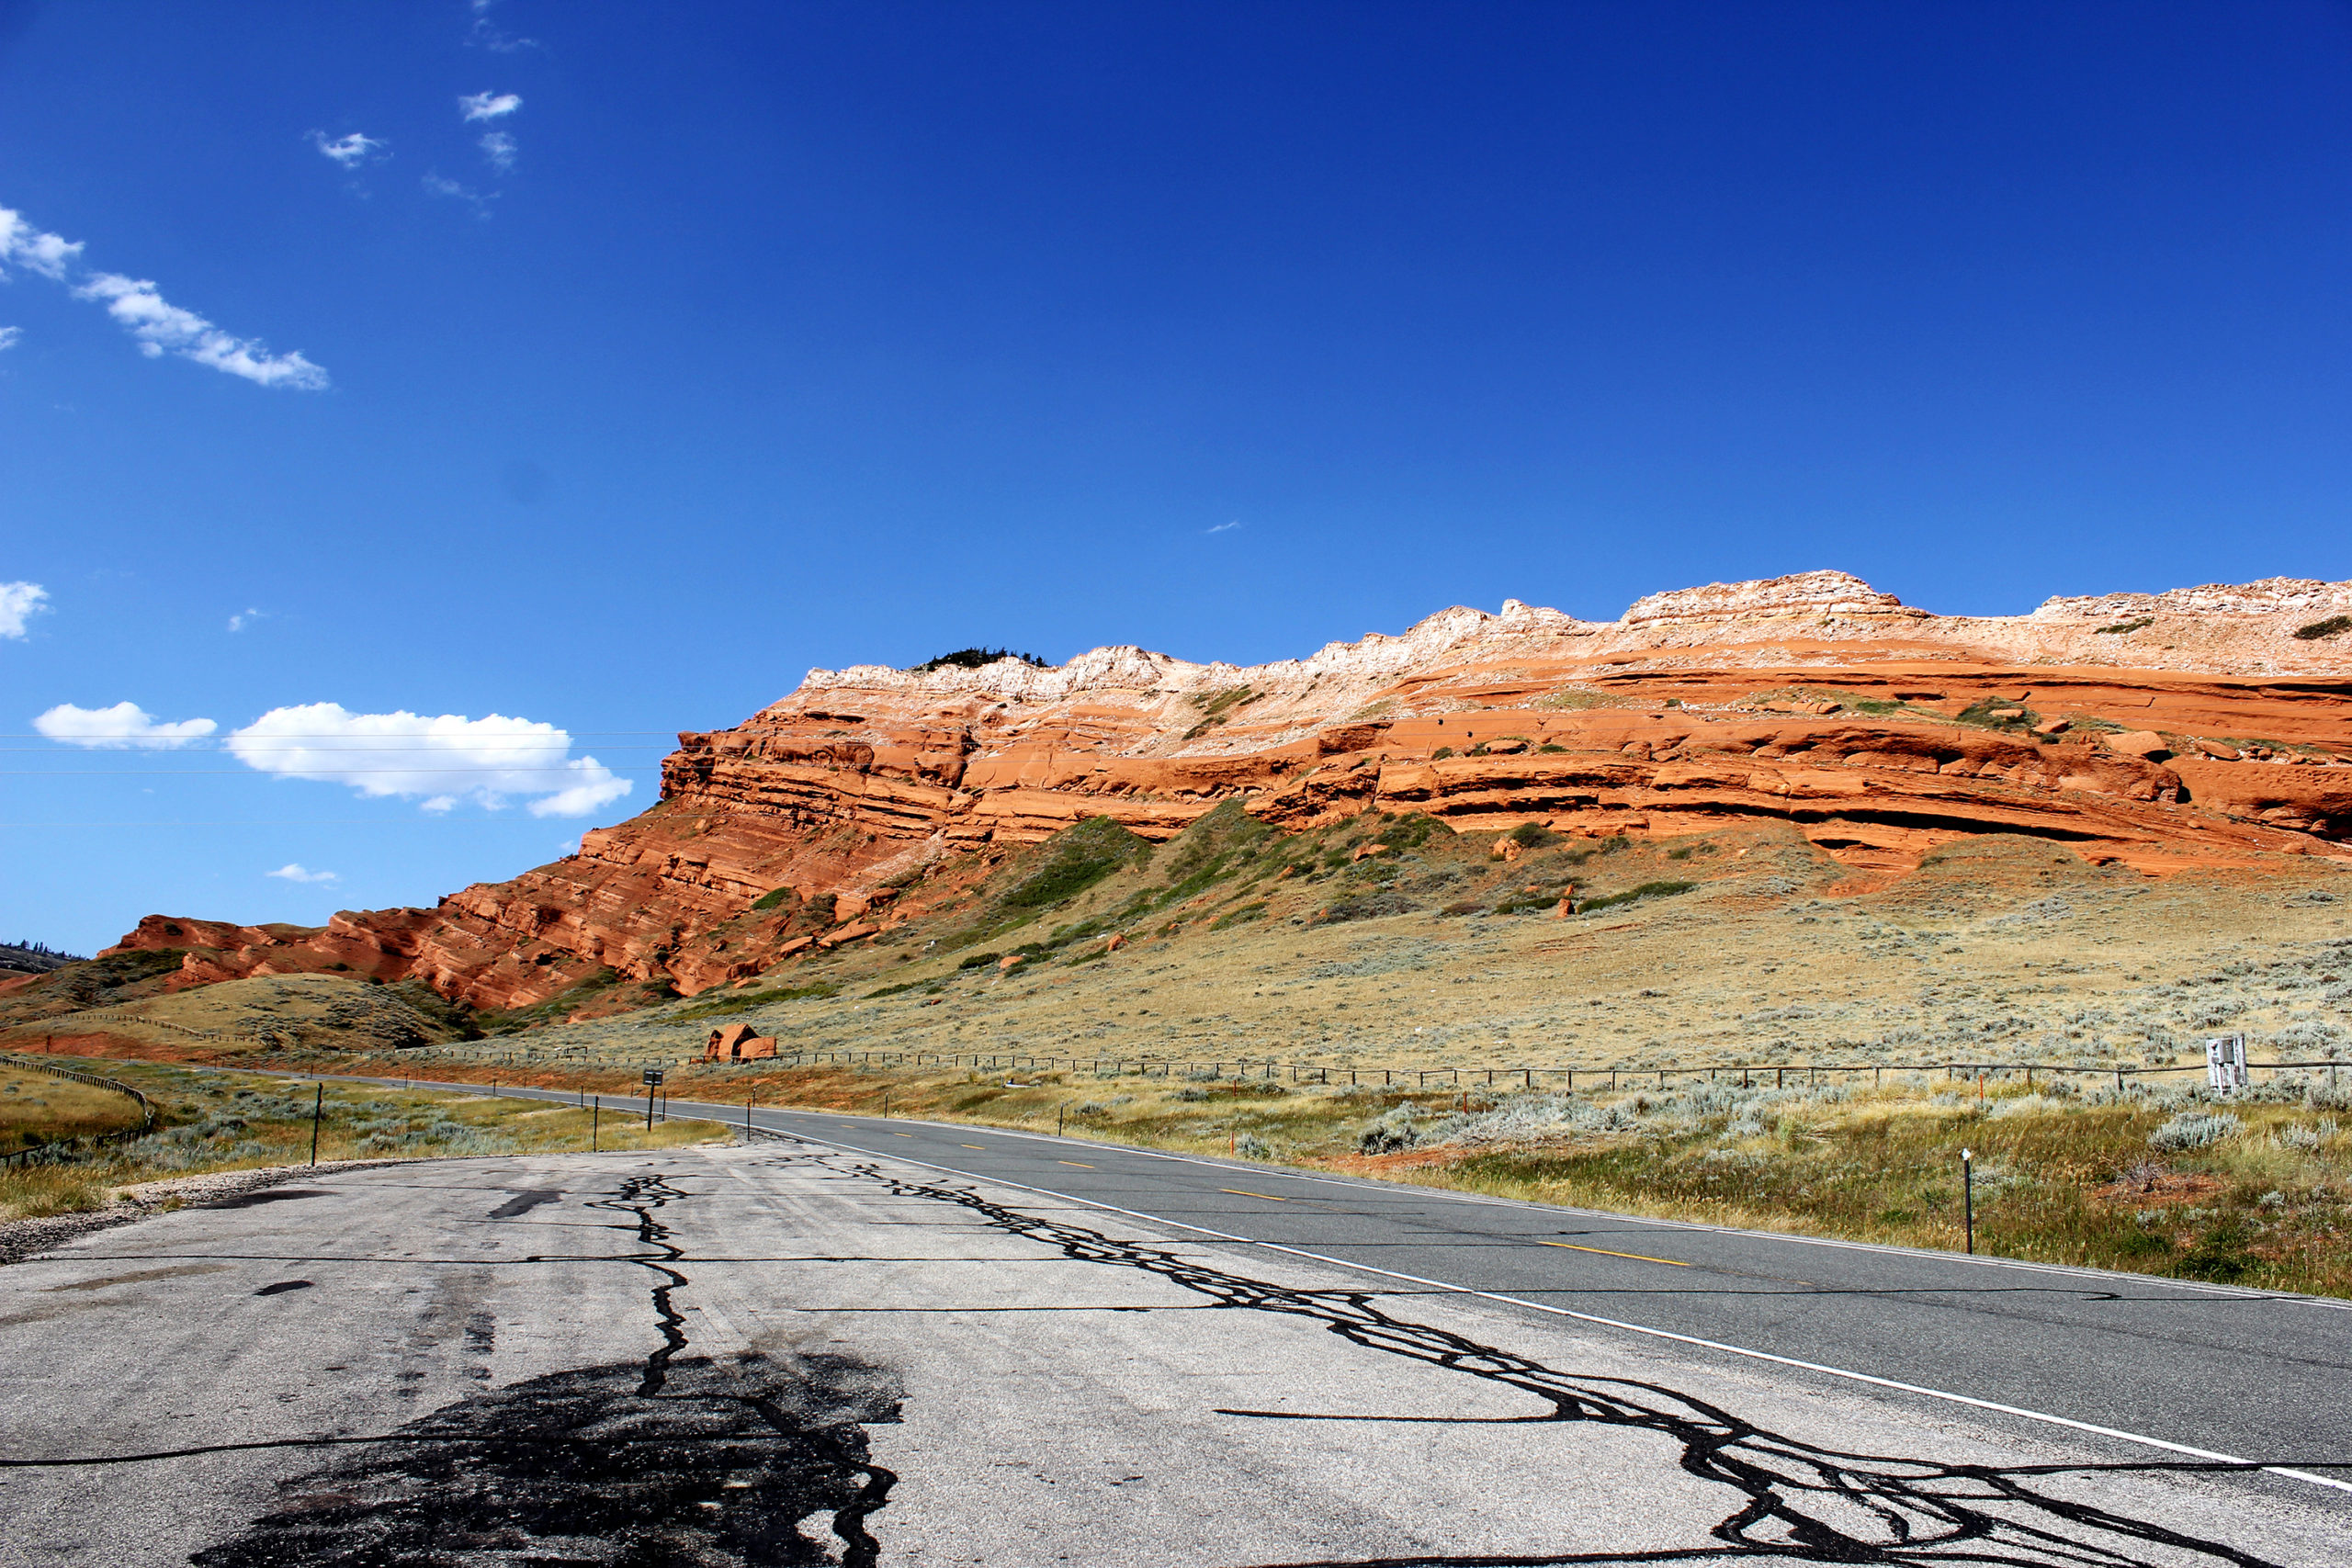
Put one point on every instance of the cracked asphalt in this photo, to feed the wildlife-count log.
(829, 1345)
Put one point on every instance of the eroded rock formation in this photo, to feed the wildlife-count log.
(2157, 731)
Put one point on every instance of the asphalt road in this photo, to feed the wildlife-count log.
(2214, 1369)
(873, 1341)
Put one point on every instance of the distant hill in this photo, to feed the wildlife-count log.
(34, 957)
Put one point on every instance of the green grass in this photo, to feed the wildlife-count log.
(1218, 707)
(1076, 859)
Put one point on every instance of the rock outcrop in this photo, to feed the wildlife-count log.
(2161, 731)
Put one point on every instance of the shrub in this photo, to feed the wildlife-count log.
(2333, 625)
(770, 900)
(975, 659)
(1390, 1132)
(1532, 835)
(2121, 627)
(2324, 1095)
(1647, 890)
(976, 960)
(1249, 1146)
(2193, 1129)
(1441, 751)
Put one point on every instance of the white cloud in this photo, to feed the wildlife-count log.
(349, 151)
(125, 724)
(489, 105)
(243, 619)
(29, 248)
(500, 149)
(292, 871)
(1223, 527)
(593, 785)
(162, 327)
(439, 761)
(8, 336)
(19, 601)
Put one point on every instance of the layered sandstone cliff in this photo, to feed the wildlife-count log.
(2158, 730)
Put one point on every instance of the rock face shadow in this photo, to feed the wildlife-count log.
(743, 1459)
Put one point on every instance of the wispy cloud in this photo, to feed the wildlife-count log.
(440, 762)
(350, 151)
(19, 601)
(500, 149)
(485, 34)
(293, 871)
(162, 328)
(125, 724)
(8, 336)
(487, 106)
(243, 619)
(28, 247)
(436, 185)
(1223, 527)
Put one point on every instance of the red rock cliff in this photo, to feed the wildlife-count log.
(2164, 730)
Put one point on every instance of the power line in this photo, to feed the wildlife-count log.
(336, 735)
(354, 746)
(424, 821)
(556, 769)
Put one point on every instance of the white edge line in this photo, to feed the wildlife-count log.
(1449, 1286)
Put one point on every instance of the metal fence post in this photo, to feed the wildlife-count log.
(318, 1105)
(1967, 1197)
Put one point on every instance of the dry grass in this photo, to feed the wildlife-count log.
(217, 1120)
(36, 1108)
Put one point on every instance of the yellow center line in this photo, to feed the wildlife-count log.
(1636, 1256)
(1079, 1163)
(972, 1146)
(1239, 1193)
(902, 1135)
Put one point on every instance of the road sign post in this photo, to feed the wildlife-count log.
(653, 1083)
(317, 1105)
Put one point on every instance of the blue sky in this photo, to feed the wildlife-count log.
(602, 367)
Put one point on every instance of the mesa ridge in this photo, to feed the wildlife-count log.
(2157, 732)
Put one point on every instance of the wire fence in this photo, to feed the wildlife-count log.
(1610, 1079)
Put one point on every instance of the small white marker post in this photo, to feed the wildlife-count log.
(1968, 1196)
